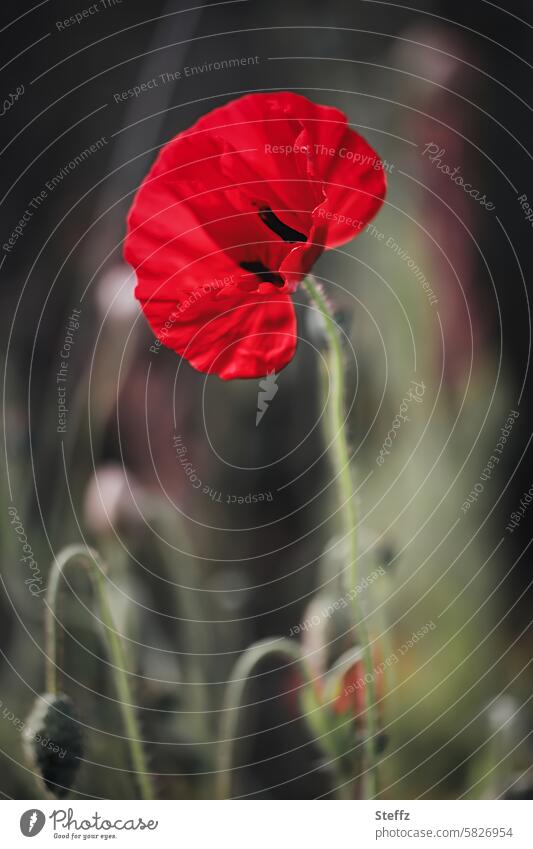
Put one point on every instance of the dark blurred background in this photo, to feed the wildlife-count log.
(195, 579)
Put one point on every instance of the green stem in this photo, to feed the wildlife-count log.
(91, 561)
(340, 458)
(244, 667)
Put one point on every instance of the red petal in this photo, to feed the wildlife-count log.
(226, 335)
(355, 189)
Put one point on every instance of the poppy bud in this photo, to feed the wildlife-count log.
(114, 291)
(53, 742)
(326, 631)
(111, 500)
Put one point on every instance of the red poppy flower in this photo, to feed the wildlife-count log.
(232, 216)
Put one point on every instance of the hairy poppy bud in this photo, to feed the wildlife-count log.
(53, 741)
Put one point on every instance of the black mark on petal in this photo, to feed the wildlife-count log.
(278, 227)
(263, 272)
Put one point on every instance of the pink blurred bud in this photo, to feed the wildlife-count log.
(110, 500)
(114, 293)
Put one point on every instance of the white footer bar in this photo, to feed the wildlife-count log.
(265, 824)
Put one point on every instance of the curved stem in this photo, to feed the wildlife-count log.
(340, 458)
(91, 561)
(234, 704)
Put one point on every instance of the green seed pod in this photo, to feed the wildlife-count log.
(53, 742)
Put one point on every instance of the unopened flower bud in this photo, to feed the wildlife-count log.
(325, 632)
(53, 742)
(114, 293)
(110, 500)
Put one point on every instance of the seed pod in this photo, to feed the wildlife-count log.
(53, 742)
